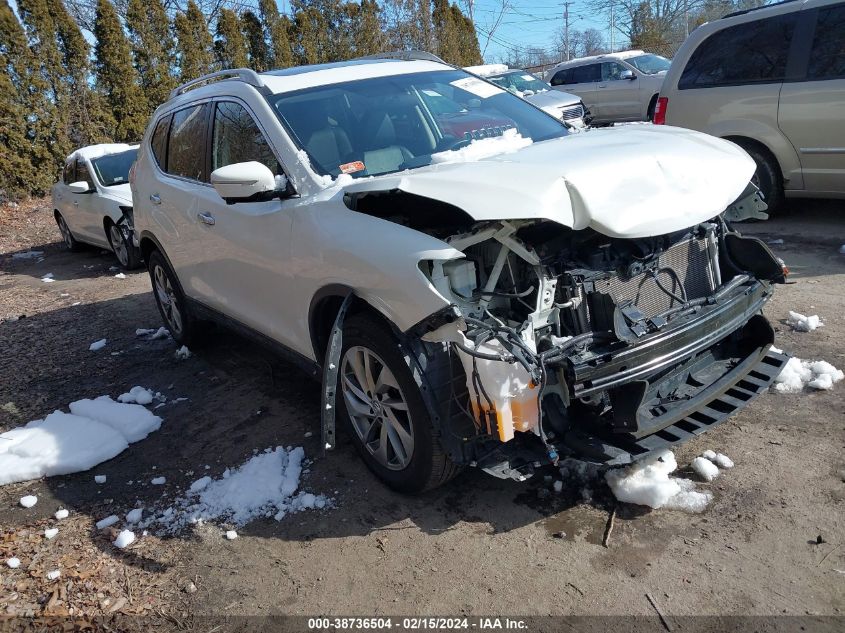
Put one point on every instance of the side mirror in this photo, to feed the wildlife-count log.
(80, 187)
(240, 182)
(627, 74)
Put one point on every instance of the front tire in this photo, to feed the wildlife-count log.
(127, 255)
(384, 411)
(767, 177)
(171, 301)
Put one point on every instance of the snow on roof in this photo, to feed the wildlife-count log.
(485, 70)
(617, 55)
(301, 77)
(103, 149)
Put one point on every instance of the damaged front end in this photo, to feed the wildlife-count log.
(567, 342)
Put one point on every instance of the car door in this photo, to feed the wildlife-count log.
(81, 209)
(247, 243)
(619, 98)
(62, 198)
(811, 112)
(582, 81)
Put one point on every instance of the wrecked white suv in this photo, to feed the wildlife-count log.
(473, 285)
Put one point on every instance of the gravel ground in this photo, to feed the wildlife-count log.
(772, 542)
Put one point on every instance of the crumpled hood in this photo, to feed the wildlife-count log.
(631, 181)
(553, 99)
(121, 193)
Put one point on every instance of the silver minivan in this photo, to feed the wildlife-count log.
(773, 81)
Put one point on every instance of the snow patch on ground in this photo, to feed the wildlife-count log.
(797, 374)
(29, 500)
(479, 149)
(50, 533)
(107, 522)
(133, 516)
(13, 562)
(28, 255)
(264, 486)
(183, 353)
(63, 443)
(801, 323)
(98, 345)
(231, 535)
(158, 481)
(124, 539)
(138, 395)
(705, 469)
(61, 514)
(100, 479)
(648, 483)
(120, 276)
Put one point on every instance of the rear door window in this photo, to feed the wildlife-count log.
(749, 53)
(562, 77)
(590, 73)
(186, 148)
(827, 55)
(238, 139)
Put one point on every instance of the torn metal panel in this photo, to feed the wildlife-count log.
(330, 372)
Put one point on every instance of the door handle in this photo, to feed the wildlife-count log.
(206, 218)
(155, 198)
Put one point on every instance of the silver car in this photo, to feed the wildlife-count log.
(561, 105)
(616, 87)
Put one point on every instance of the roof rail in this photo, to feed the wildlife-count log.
(765, 6)
(244, 74)
(407, 56)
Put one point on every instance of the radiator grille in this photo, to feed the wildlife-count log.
(691, 262)
(572, 112)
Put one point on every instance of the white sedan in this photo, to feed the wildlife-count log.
(92, 202)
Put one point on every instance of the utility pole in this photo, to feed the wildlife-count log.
(566, 29)
(612, 27)
(686, 18)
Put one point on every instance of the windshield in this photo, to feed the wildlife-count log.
(649, 64)
(520, 82)
(387, 124)
(113, 169)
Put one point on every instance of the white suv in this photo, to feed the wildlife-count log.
(616, 87)
(92, 202)
(472, 284)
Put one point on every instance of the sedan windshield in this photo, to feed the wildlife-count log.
(520, 82)
(113, 169)
(387, 124)
(649, 64)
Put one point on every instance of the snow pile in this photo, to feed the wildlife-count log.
(98, 345)
(102, 149)
(183, 353)
(648, 483)
(797, 374)
(28, 255)
(29, 500)
(13, 562)
(61, 514)
(124, 539)
(50, 533)
(801, 323)
(264, 486)
(508, 142)
(48, 278)
(63, 443)
(138, 395)
(153, 334)
(120, 276)
(705, 469)
(231, 535)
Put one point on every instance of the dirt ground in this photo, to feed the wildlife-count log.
(771, 543)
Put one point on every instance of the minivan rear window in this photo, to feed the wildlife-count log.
(827, 56)
(748, 53)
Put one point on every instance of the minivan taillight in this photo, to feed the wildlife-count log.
(660, 110)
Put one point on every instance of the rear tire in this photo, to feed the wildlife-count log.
(127, 255)
(650, 111)
(767, 177)
(171, 301)
(389, 422)
(68, 239)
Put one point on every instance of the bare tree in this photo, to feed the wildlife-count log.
(632, 17)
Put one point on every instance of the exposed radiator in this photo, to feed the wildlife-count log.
(572, 112)
(692, 266)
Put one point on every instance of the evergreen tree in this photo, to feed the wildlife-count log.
(369, 37)
(230, 46)
(193, 43)
(278, 30)
(448, 42)
(258, 53)
(152, 49)
(470, 51)
(26, 113)
(116, 76)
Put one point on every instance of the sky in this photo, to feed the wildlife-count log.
(529, 23)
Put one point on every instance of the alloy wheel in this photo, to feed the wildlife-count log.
(118, 244)
(65, 231)
(377, 408)
(168, 300)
